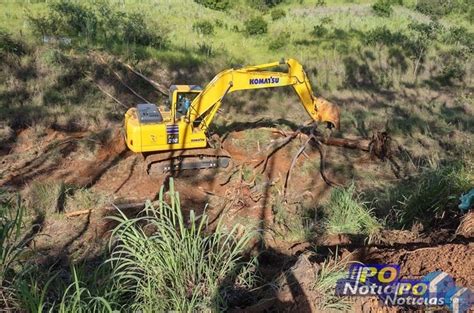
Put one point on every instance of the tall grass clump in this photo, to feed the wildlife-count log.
(325, 283)
(428, 196)
(85, 199)
(46, 197)
(167, 263)
(203, 27)
(83, 296)
(277, 14)
(346, 213)
(11, 246)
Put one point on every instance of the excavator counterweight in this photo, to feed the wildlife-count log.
(174, 137)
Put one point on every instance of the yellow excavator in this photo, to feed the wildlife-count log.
(174, 137)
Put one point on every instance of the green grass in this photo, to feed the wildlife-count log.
(12, 246)
(291, 223)
(338, 58)
(346, 213)
(85, 199)
(254, 140)
(95, 296)
(179, 266)
(426, 197)
(299, 21)
(325, 282)
(158, 261)
(46, 197)
(310, 167)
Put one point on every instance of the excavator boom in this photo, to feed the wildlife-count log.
(255, 77)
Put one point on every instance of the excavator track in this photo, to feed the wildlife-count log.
(173, 161)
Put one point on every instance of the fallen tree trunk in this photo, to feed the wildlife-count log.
(379, 146)
(77, 213)
(161, 88)
(121, 206)
(358, 144)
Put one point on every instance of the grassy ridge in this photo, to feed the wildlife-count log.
(343, 46)
(230, 39)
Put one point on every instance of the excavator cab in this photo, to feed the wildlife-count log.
(181, 97)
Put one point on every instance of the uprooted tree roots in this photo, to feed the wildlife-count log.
(379, 146)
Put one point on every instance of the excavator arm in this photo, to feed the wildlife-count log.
(205, 105)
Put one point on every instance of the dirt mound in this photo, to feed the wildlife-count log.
(449, 258)
(75, 158)
(298, 293)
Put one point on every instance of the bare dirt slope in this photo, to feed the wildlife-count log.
(243, 194)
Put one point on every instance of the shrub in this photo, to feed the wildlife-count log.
(263, 4)
(382, 8)
(203, 27)
(278, 14)
(453, 66)
(451, 71)
(135, 31)
(272, 3)
(10, 45)
(435, 8)
(256, 26)
(319, 31)
(77, 19)
(383, 36)
(219, 23)
(219, 5)
(320, 3)
(279, 41)
(460, 36)
(170, 264)
(346, 213)
(421, 37)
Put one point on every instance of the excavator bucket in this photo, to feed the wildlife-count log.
(327, 112)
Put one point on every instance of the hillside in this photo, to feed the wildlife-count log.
(401, 72)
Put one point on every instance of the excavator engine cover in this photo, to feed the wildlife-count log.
(148, 113)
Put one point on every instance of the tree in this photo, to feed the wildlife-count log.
(421, 37)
